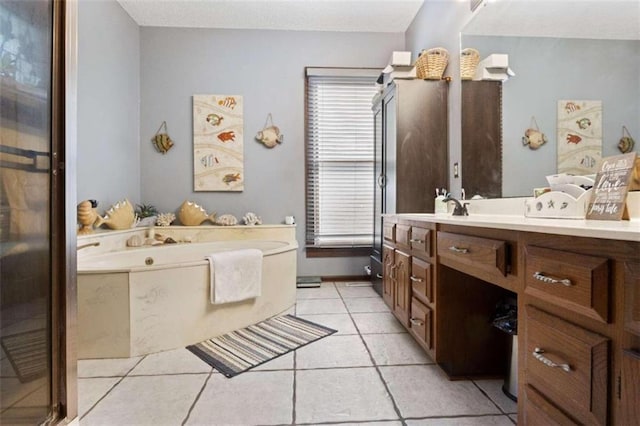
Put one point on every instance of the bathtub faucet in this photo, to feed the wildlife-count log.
(96, 244)
(459, 209)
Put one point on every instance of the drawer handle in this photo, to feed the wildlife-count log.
(415, 279)
(458, 249)
(416, 321)
(547, 279)
(379, 276)
(416, 241)
(537, 354)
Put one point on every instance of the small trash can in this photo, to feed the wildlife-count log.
(506, 319)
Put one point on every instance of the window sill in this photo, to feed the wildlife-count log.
(339, 251)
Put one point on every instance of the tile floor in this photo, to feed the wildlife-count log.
(370, 371)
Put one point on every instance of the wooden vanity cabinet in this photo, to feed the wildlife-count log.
(580, 344)
(629, 374)
(409, 289)
(578, 313)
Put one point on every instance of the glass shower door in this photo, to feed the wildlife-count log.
(26, 29)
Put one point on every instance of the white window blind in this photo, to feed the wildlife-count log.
(339, 160)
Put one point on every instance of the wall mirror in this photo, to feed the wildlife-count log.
(559, 50)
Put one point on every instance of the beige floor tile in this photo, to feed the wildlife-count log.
(342, 395)
(91, 390)
(395, 349)
(365, 304)
(320, 306)
(394, 423)
(147, 400)
(333, 351)
(110, 367)
(348, 292)
(341, 322)
(177, 361)
(247, 399)
(514, 418)
(326, 290)
(493, 388)
(463, 421)
(379, 322)
(442, 396)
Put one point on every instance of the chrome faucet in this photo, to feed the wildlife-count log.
(459, 209)
(96, 244)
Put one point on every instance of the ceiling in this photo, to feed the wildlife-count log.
(390, 16)
(597, 19)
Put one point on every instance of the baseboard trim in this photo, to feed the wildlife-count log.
(346, 278)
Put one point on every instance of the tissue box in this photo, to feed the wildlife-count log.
(400, 58)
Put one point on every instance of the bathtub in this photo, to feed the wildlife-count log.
(138, 301)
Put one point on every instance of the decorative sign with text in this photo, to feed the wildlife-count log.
(611, 186)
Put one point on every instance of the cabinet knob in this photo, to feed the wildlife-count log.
(538, 354)
(415, 279)
(416, 321)
(416, 240)
(459, 250)
(550, 280)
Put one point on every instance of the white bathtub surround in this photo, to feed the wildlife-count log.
(235, 275)
(128, 308)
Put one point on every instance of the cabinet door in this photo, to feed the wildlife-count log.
(389, 117)
(388, 273)
(402, 300)
(630, 387)
(632, 298)
(378, 175)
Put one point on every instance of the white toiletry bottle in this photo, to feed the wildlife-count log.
(440, 204)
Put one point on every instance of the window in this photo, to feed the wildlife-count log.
(339, 132)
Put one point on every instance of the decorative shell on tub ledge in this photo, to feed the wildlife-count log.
(191, 214)
(165, 219)
(120, 216)
(227, 220)
(252, 219)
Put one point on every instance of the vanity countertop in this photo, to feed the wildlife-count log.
(627, 230)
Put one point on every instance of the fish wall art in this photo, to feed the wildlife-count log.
(579, 136)
(218, 143)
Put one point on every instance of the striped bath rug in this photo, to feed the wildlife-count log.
(236, 352)
(27, 353)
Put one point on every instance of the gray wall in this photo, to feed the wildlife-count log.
(267, 68)
(438, 24)
(548, 70)
(108, 161)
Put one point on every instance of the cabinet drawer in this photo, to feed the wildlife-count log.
(421, 323)
(403, 235)
(421, 282)
(568, 365)
(577, 282)
(483, 253)
(420, 241)
(538, 411)
(389, 232)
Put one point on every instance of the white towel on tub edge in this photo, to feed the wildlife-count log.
(235, 275)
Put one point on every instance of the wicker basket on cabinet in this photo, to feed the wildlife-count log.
(469, 59)
(431, 63)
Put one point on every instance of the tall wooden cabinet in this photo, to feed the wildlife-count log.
(410, 128)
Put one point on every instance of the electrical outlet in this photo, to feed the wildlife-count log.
(456, 171)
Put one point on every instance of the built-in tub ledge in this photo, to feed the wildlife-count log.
(136, 301)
